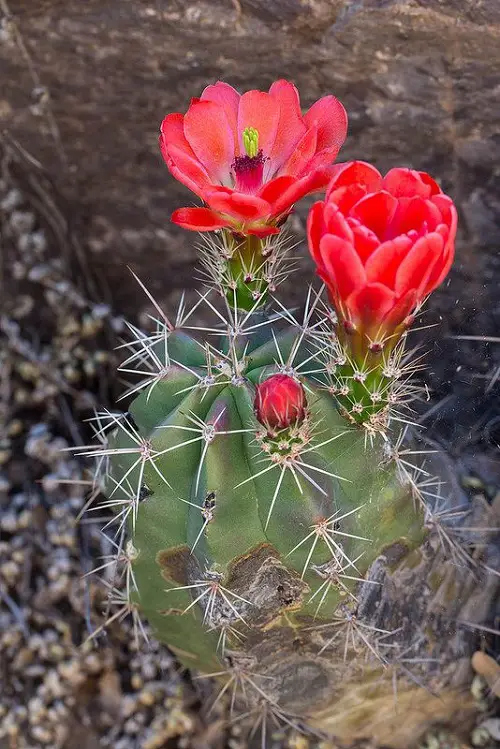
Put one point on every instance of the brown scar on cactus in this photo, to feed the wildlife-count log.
(261, 577)
(174, 564)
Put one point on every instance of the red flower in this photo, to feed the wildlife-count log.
(381, 244)
(280, 402)
(250, 157)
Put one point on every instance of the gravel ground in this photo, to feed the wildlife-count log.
(64, 682)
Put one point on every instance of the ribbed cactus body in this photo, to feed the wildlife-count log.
(218, 497)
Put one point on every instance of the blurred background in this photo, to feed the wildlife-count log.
(84, 85)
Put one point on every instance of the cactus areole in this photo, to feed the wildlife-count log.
(258, 472)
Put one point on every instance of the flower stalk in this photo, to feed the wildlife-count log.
(246, 269)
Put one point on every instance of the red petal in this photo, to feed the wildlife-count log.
(401, 309)
(291, 126)
(266, 231)
(412, 213)
(342, 265)
(376, 212)
(406, 183)
(384, 263)
(346, 197)
(337, 224)
(272, 190)
(172, 134)
(261, 111)
(187, 170)
(416, 268)
(302, 154)
(356, 173)
(288, 97)
(238, 205)
(316, 228)
(323, 158)
(310, 183)
(435, 189)
(440, 270)
(198, 219)
(449, 213)
(331, 119)
(365, 241)
(228, 98)
(211, 138)
(444, 231)
(370, 304)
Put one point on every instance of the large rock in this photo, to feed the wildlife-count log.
(420, 79)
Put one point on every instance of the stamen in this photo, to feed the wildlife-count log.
(248, 170)
(251, 141)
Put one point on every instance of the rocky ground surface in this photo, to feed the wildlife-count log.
(84, 88)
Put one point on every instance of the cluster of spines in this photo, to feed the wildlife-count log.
(372, 392)
(225, 267)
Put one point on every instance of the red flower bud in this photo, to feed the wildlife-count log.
(280, 402)
(381, 245)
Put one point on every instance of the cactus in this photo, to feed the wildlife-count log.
(244, 532)
(261, 479)
(223, 489)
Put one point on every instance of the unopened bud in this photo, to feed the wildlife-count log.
(280, 402)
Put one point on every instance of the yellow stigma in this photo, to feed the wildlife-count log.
(251, 141)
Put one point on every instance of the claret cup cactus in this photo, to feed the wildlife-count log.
(262, 490)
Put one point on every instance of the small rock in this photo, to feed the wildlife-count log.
(492, 725)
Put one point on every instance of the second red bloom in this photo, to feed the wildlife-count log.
(381, 244)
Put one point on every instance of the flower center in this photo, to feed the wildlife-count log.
(248, 170)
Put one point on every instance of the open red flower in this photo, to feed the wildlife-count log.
(381, 244)
(250, 157)
(280, 402)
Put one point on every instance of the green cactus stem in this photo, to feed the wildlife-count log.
(242, 534)
(246, 269)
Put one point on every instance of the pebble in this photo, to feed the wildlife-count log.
(42, 734)
(487, 667)
(492, 726)
(11, 200)
(22, 222)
